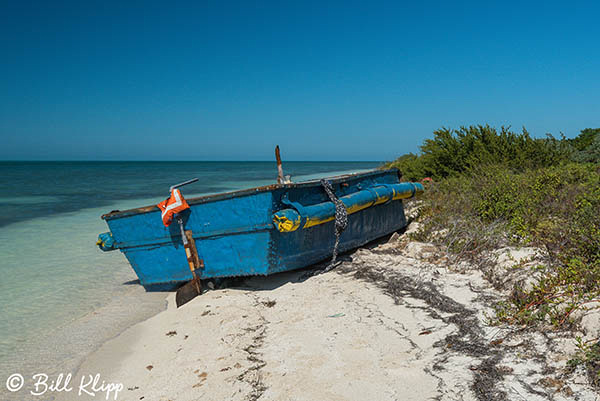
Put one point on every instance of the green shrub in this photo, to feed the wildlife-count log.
(452, 152)
(587, 146)
(585, 139)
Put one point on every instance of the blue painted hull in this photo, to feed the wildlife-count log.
(235, 235)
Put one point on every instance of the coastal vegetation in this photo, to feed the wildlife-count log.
(496, 188)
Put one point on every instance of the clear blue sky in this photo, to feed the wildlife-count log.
(325, 80)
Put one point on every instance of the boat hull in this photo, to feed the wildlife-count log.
(235, 235)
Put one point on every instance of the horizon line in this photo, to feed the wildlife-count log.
(182, 161)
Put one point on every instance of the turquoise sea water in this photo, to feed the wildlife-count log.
(52, 273)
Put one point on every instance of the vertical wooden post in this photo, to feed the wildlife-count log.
(279, 167)
(194, 252)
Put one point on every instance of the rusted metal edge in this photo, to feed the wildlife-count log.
(244, 192)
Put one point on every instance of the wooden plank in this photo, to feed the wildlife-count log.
(192, 242)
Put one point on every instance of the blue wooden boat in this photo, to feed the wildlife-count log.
(259, 231)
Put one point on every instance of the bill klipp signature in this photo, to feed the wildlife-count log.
(89, 385)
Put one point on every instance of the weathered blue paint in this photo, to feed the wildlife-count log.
(235, 235)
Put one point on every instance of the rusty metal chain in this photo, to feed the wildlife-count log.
(341, 219)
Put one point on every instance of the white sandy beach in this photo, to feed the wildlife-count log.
(385, 325)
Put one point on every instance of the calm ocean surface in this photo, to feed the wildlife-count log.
(51, 272)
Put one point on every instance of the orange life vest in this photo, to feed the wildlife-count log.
(175, 204)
